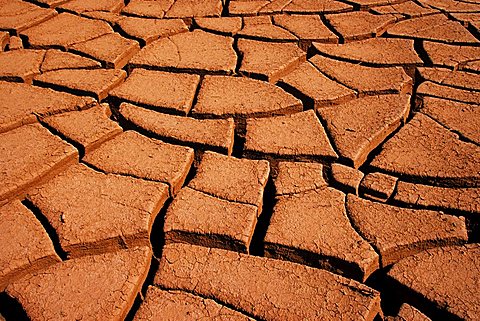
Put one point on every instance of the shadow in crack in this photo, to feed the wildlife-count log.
(11, 310)
(257, 245)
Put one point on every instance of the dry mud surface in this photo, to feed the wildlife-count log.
(240, 160)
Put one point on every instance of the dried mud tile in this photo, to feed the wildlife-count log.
(316, 6)
(26, 246)
(20, 65)
(65, 30)
(245, 283)
(440, 157)
(357, 127)
(397, 232)
(21, 103)
(163, 91)
(457, 79)
(378, 186)
(306, 27)
(408, 312)
(269, 61)
(89, 128)
(225, 96)
(298, 177)
(298, 136)
(376, 51)
(451, 5)
(112, 49)
(445, 278)
(4, 39)
(17, 16)
(229, 26)
(451, 55)
(461, 118)
(316, 89)
(93, 212)
(312, 228)
(56, 59)
(149, 30)
(408, 9)
(28, 154)
(162, 305)
(132, 154)
(80, 6)
(205, 134)
(198, 218)
(359, 24)
(365, 80)
(374, 3)
(465, 200)
(92, 82)
(246, 7)
(197, 51)
(195, 8)
(346, 178)
(431, 89)
(86, 287)
(16, 43)
(231, 178)
(433, 27)
(147, 8)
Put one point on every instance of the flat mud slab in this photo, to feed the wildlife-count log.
(239, 160)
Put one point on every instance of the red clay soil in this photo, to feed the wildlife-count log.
(111, 49)
(297, 136)
(21, 65)
(262, 28)
(150, 30)
(86, 287)
(239, 160)
(190, 51)
(446, 277)
(315, 87)
(213, 134)
(441, 157)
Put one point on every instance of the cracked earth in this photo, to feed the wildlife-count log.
(240, 160)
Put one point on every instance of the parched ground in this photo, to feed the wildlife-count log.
(240, 160)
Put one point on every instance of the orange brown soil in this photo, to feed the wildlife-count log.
(240, 160)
